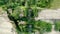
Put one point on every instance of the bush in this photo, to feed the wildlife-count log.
(43, 3)
(57, 26)
(3, 2)
(16, 13)
(35, 11)
(44, 26)
(29, 15)
(48, 27)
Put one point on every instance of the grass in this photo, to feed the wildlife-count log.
(57, 26)
(55, 4)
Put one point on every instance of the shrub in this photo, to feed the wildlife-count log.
(57, 26)
(43, 3)
(44, 26)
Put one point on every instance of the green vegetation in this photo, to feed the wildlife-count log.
(43, 3)
(40, 26)
(57, 26)
(44, 26)
(26, 10)
(55, 4)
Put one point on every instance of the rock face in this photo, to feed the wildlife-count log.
(5, 25)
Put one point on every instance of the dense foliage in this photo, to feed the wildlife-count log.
(41, 26)
(43, 3)
(44, 26)
(26, 10)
